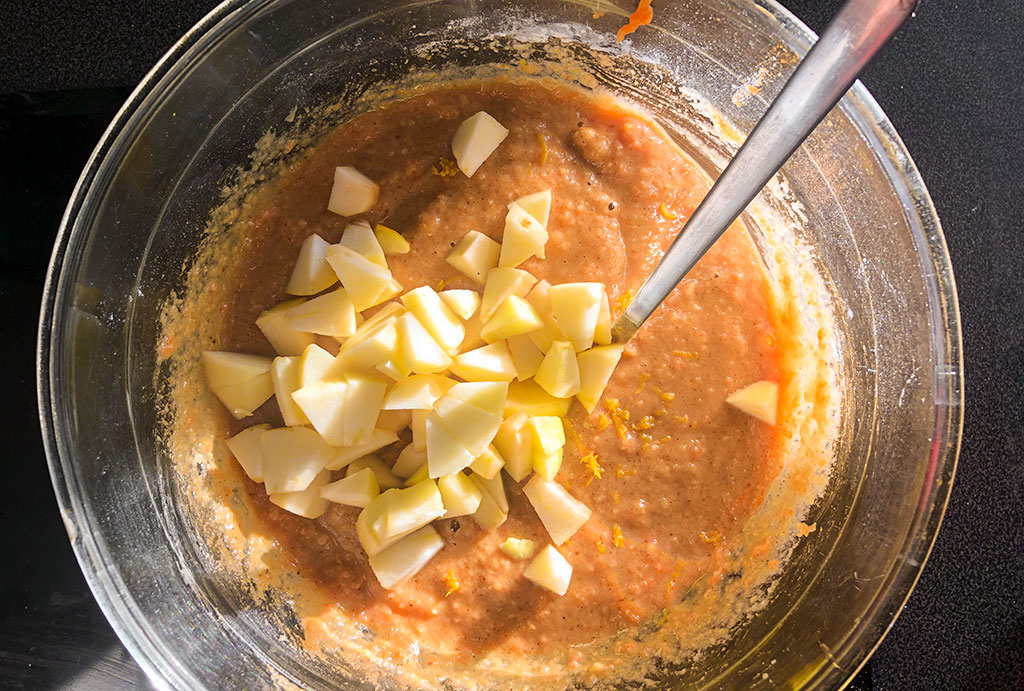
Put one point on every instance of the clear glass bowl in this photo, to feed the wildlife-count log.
(137, 214)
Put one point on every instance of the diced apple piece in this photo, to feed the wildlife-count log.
(760, 399)
(515, 316)
(367, 283)
(346, 454)
(248, 450)
(312, 273)
(292, 457)
(461, 496)
(518, 548)
(391, 241)
(488, 464)
(550, 570)
(285, 375)
(409, 461)
(603, 330)
(445, 455)
(406, 557)
(476, 139)
(472, 427)
(383, 313)
(524, 237)
(353, 193)
(530, 398)
(560, 512)
(307, 503)
(372, 515)
(421, 354)
(489, 515)
(576, 307)
(385, 478)
(393, 368)
(475, 255)
(419, 429)
(418, 392)
(489, 363)
(487, 396)
(526, 356)
(313, 364)
(412, 508)
(494, 487)
(540, 299)
(355, 489)
(324, 404)
(360, 238)
(422, 473)
(439, 321)
(330, 314)
(365, 395)
(559, 373)
(394, 420)
(367, 349)
(463, 303)
(596, 366)
(548, 438)
(513, 441)
(537, 205)
(473, 338)
(500, 284)
(275, 327)
(241, 382)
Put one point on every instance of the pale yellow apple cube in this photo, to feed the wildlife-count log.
(487, 396)
(524, 237)
(405, 558)
(559, 373)
(422, 474)
(292, 458)
(537, 205)
(540, 299)
(385, 478)
(241, 382)
(488, 464)
(358, 237)
(560, 512)
(526, 356)
(760, 399)
(471, 427)
(577, 307)
(391, 241)
(500, 284)
(490, 363)
(489, 515)
(515, 445)
(418, 392)
(313, 364)
(421, 354)
(367, 284)
(352, 193)
(394, 420)
(344, 455)
(285, 375)
(596, 367)
(475, 255)
(409, 461)
(463, 303)
(311, 273)
(275, 327)
(528, 397)
(460, 495)
(355, 489)
(248, 450)
(445, 454)
(475, 140)
(306, 503)
(515, 316)
(518, 548)
(412, 508)
(550, 570)
(434, 315)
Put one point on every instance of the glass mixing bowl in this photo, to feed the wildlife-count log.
(139, 210)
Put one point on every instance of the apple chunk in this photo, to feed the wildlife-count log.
(311, 274)
(378, 439)
(524, 237)
(518, 548)
(461, 497)
(560, 512)
(313, 364)
(292, 457)
(331, 314)
(307, 503)
(489, 514)
(421, 354)
(411, 508)
(514, 316)
(515, 445)
(418, 392)
(475, 255)
(282, 335)
(406, 557)
(596, 366)
(241, 382)
(550, 570)
(391, 241)
(445, 455)
(760, 399)
(367, 284)
(355, 489)
(577, 307)
(488, 464)
(358, 237)
(500, 284)
(559, 373)
(526, 356)
(537, 205)
(285, 375)
(475, 140)
(434, 315)
(385, 478)
(353, 193)
(248, 450)
(528, 397)
(463, 303)
(490, 363)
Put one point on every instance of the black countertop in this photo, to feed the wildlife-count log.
(953, 85)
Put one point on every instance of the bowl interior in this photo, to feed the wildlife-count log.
(141, 209)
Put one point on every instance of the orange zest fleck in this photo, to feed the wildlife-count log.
(640, 17)
(603, 422)
(600, 547)
(543, 148)
(666, 213)
(441, 284)
(617, 539)
(450, 582)
(712, 538)
(643, 382)
(592, 464)
(445, 168)
(619, 418)
(668, 396)
(623, 300)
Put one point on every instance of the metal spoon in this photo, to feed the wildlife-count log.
(857, 33)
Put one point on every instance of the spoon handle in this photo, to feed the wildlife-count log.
(855, 35)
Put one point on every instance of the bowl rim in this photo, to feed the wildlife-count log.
(836, 669)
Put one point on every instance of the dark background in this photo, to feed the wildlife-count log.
(953, 85)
